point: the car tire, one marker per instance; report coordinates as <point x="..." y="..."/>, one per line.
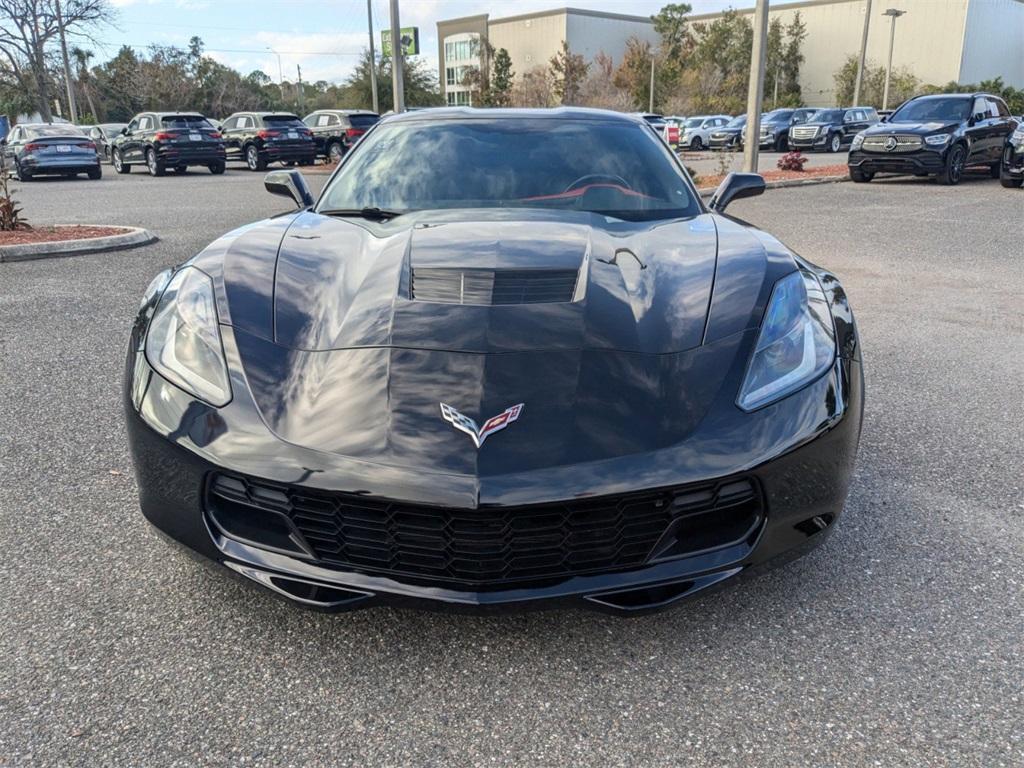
<point x="781" y="143"/>
<point x="953" y="171"/>
<point x="835" y="143"/>
<point x="335" y="151"/>
<point x="995" y="170"/>
<point x="119" y="164"/>
<point x="861" y="177"/>
<point x="153" y="164"/>
<point x="179" y="169"/>
<point x="254" y="160"/>
<point x="96" y="173"/>
<point x="21" y="174"/>
<point x="216" y="168"/>
<point x="696" y="144"/>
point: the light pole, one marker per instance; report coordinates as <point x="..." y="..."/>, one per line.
<point x="373" y="60"/>
<point x="863" y="54"/>
<point x="650" y="106"/>
<point x="894" y="13"/>
<point x="397" y="72"/>
<point x="280" y="72"/>
<point x="758" y="55"/>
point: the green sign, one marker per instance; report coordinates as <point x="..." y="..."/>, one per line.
<point x="410" y="41"/>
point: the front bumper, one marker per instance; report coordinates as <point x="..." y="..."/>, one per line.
<point x="817" y="142"/>
<point x="178" y="443"/>
<point x="717" y="142"/>
<point x="920" y="161"/>
<point x="1013" y="160"/>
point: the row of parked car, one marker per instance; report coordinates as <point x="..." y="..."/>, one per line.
<point x="174" y="141"/>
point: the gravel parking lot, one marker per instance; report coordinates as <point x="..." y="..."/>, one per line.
<point x="898" y="643"/>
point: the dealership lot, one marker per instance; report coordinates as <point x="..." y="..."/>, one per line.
<point x="896" y="643"/>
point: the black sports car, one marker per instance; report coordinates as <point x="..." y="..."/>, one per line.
<point x="508" y="357"/>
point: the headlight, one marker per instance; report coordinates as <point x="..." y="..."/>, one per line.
<point x="938" y="140"/>
<point x="184" y="344"/>
<point x="858" y="142"/>
<point x="156" y="287"/>
<point x="797" y="342"/>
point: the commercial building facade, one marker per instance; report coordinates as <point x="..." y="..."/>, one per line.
<point x="937" y="40"/>
<point x="531" y="40"/>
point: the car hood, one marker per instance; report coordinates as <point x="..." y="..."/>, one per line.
<point x="342" y="354"/>
<point x="904" y="128"/>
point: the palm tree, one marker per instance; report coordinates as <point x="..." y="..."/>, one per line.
<point x="82" y="72"/>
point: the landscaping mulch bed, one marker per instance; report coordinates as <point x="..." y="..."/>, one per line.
<point x="773" y="174"/>
<point x="57" y="234"/>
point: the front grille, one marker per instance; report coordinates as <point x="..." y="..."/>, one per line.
<point x="489" y="287"/>
<point x="803" y="131"/>
<point x="494" y="546"/>
<point x="903" y="144"/>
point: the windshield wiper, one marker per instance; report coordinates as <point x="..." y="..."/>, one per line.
<point x="374" y="214"/>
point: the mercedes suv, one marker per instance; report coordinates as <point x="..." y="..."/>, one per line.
<point x="1012" y="171"/>
<point x="939" y="135"/>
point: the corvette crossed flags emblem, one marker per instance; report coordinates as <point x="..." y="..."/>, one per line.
<point x="479" y="434"/>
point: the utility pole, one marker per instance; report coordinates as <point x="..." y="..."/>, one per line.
<point x="373" y="59"/>
<point x="302" y="91"/>
<point x="863" y="55"/>
<point x="894" y="14"/>
<point x="650" y="107"/>
<point x="397" y="84"/>
<point x="758" y="54"/>
<point x="280" y="72"/>
<point x="72" y="107"/>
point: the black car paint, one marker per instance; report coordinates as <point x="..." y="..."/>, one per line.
<point x="336" y="386"/>
<point x="776" y="124"/>
<point x="26" y="155"/>
<point x="979" y="138"/>
<point x="729" y="136"/>
<point x="248" y="132"/>
<point x="171" y="148"/>
<point x="335" y="131"/>
<point x="851" y="122"/>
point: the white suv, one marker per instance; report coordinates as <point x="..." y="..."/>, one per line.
<point x="697" y="130"/>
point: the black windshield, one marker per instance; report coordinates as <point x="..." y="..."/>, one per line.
<point x="827" y="116"/>
<point x="942" y="109"/>
<point x="363" y="121"/>
<point x="616" y="168"/>
<point x="779" y="116"/>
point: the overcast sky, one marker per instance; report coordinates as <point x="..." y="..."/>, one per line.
<point x="324" y="37"/>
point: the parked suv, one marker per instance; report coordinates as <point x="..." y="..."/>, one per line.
<point x="697" y="130"/>
<point x="775" y="127"/>
<point x="831" y="129"/>
<point x="103" y="135"/>
<point x="35" y="149"/>
<point x="937" y="135"/>
<point x="729" y="136"/>
<point x="1011" y="173"/>
<point x="163" y="140"/>
<point x="336" y="130"/>
<point x="260" y="138"/>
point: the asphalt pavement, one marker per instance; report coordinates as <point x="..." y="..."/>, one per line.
<point x="897" y="643"/>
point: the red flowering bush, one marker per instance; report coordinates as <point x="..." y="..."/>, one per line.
<point x="791" y="161"/>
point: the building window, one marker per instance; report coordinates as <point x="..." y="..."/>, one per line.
<point x="460" y="50"/>
<point x="459" y="98"/>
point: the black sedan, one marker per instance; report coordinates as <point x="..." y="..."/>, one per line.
<point x="55" y="149"/>
<point x="559" y="379"/>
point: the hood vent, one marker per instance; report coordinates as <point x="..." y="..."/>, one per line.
<point x="493" y="287"/>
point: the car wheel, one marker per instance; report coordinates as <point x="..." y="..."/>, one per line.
<point x="335" y="152"/>
<point x="216" y="168"/>
<point x="861" y="177"/>
<point x="180" y="168"/>
<point x="96" y="173"/>
<point x="156" y="168"/>
<point x="696" y="144"/>
<point x="995" y="169"/>
<point x="21" y="174"/>
<point x="835" y="143"/>
<point x="254" y="160"/>
<point x="781" y="143"/>
<point x="954" y="169"/>
<point x="106" y="154"/>
<point x="119" y="164"/>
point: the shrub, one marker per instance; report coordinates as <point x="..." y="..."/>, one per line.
<point x="694" y="176"/>
<point x="10" y="211"/>
<point x="791" y="161"/>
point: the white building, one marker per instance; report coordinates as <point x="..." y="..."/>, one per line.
<point x="531" y="40"/>
<point x="937" y="40"/>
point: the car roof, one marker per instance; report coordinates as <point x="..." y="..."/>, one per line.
<point x="182" y="113"/>
<point x="261" y="113"/>
<point x="344" y="112"/>
<point x="48" y="125"/>
<point x="556" y="113"/>
<point x="929" y="96"/>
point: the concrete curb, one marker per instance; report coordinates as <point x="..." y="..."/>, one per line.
<point x="132" y="237"/>
<point x="709" y="191"/>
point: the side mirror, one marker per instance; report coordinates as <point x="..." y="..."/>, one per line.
<point x="979" y="117"/>
<point x="736" y="186"/>
<point x="125" y="132"/>
<point x="289" y="184"/>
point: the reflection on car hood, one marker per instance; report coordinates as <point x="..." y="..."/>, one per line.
<point x="342" y="357"/>
<point x="891" y="128"/>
